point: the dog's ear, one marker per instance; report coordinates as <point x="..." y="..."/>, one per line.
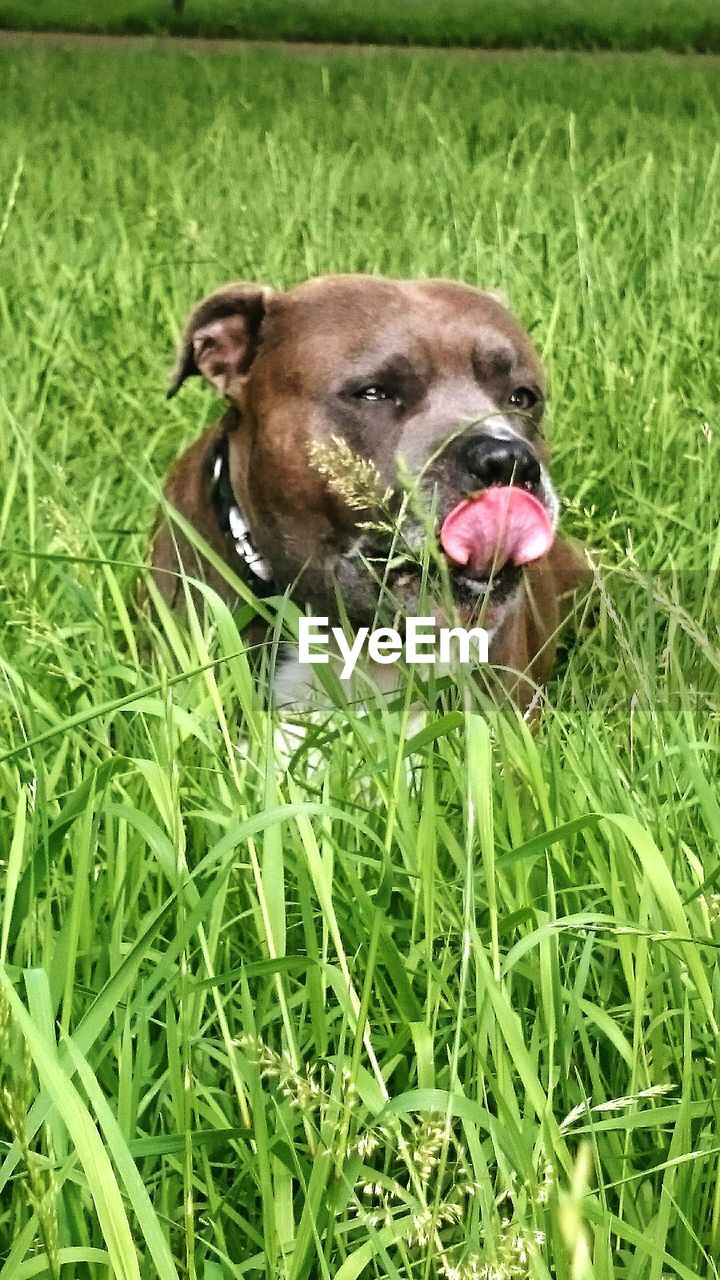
<point x="220" y="338"/>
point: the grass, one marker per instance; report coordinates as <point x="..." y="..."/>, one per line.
<point x="436" y="1003"/>
<point x="681" y="25"/>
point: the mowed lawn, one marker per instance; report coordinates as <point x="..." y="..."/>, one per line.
<point x="429" y="1003"/>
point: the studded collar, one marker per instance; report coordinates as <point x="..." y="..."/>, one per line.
<point x="233" y="522"/>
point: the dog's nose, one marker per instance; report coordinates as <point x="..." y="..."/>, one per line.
<point x="491" y="461"/>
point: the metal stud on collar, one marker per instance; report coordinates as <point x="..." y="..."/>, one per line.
<point x="231" y="518"/>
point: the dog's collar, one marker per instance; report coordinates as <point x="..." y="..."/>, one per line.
<point x="232" y="522"/>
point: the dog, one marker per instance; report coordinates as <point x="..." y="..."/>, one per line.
<point x="429" y="379"/>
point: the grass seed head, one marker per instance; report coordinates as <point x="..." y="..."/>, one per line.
<point x="354" y="479"/>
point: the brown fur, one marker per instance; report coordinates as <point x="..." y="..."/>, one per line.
<point x="282" y="360"/>
<point x="526" y="645"/>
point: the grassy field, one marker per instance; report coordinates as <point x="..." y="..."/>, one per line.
<point x="580" y="24"/>
<point x="435" y="1006"/>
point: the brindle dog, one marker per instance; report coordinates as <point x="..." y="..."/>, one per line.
<point x="431" y="379"/>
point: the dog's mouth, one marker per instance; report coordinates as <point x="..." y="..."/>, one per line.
<point x="484" y="540"/>
<point x="501" y="526"/>
<point x="475" y="596"/>
<point x="488" y="537"/>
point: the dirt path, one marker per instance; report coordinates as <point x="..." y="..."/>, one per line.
<point x="304" y="48"/>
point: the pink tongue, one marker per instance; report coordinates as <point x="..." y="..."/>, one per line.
<point x="501" y="525"/>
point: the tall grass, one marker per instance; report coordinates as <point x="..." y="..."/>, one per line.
<point x="682" y="25"/>
<point x="433" y="1001"/>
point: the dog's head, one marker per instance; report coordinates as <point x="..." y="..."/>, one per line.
<point x="435" y="383"/>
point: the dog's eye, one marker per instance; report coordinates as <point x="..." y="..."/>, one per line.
<point x="524" y="399"/>
<point x="372" y="394"/>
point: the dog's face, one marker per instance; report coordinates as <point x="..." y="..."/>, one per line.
<point x="431" y="380"/>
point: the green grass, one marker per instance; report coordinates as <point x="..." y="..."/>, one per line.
<point x="579" y="24"/>
<point x="414" y="997"/>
